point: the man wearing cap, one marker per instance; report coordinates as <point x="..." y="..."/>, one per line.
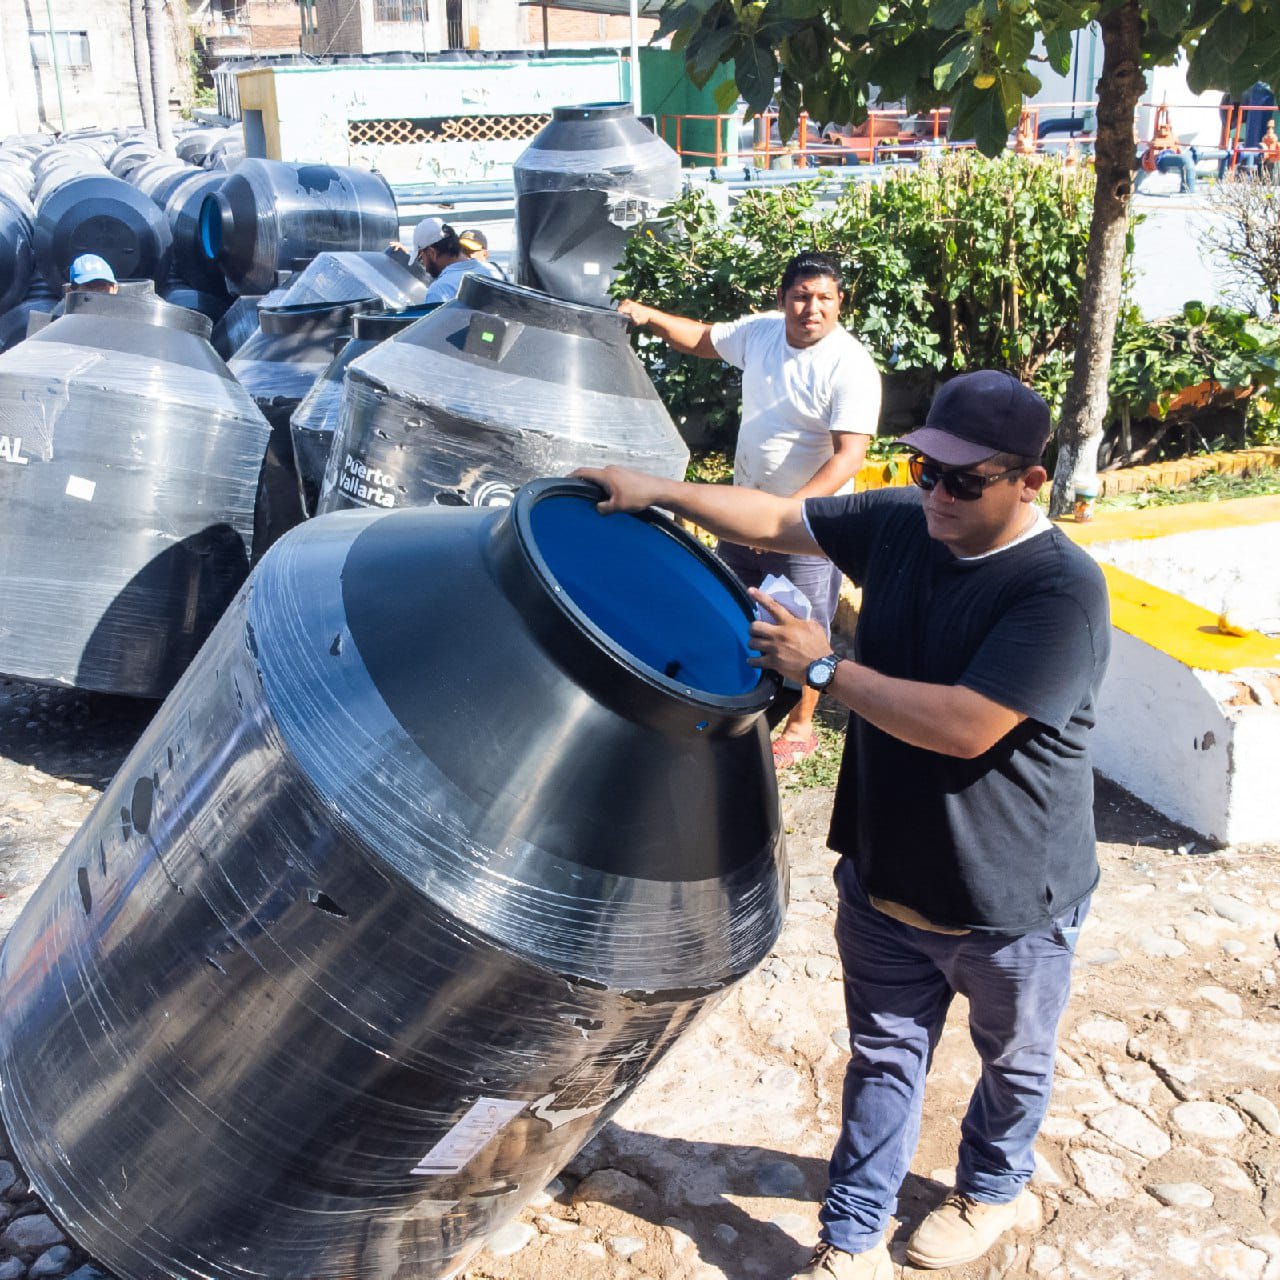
<point x="438" y="250"/>
<point x="963" y="815"/>
<point x="93" y="274"/>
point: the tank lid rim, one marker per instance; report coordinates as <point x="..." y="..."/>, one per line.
<point x="750" y="703"/>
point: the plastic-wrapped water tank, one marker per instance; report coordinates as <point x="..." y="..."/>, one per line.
<point x="269" y="215"/>
<point x="238" y="324"/>
<point x="106" y="216"/>
<point x="584" y="182"/>
<point x="313" y="423"/>
<point x="497" y="387"/>
<point x="129" y="466"/>
<point x="17" y="255"/>
<point x="454" y="825"/>
<point x="291" y="348"/>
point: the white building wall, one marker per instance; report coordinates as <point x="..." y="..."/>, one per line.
<point x="103" y="94"/>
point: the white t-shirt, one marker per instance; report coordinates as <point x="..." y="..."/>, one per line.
<point x="444" y="288"/>
<point x="793" y="398"/>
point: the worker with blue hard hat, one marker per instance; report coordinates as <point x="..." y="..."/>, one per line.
<point x="93" y="273"/>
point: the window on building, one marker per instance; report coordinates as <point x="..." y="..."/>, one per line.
<point x="71" y="48"/>
<point x="399" y="10"/>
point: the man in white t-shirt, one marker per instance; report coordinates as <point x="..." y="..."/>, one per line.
<point x="810" y="404"/>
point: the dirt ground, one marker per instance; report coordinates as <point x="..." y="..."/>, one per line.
<point x="715" y="1166"/>
<point x="1160" y="1157"/>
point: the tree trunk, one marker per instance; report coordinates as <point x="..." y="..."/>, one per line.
<point x="158" y="47"/>
<point x="142" y="64"/>
<point x="1120" y="89"/>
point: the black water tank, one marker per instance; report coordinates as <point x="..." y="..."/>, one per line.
<point x="213" y="305"/>
<point x="457" y="822"/>
<point x="269" y="215"/>
<point x="129" y="515"/>
<point x="313" y="423"/>
<point x="130" y="155"/>
<point x="499" y="386"/>
<point x="17" y="255"/>
<point x="181" y="206"/>
<point x="582" y="185"/>
<point x="291" y="348"/>
<point x="106" y="216"/>
<point x="238" y="324"/>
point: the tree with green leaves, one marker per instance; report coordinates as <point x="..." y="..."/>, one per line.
<point x="834" y="59"/>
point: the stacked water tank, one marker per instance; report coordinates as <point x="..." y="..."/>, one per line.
<point x="583" y="185"/>
<point x="129" y="471"/>
<point x="497" y="387"/>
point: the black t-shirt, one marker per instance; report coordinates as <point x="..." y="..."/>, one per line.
<point x="1004" y="842"/>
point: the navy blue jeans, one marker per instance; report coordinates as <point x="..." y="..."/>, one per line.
<point x="899" y="982"/>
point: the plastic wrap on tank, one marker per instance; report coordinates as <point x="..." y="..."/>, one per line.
<point x="106" y="216"/>
<point x="181" y="206"/>
<point x="292" y="347"/>
<point x="269" y="215"/>
<point x="17" y="254"/>
<point x="238" y="324"/>
<point x="497" y="387"/>
<point x="583" y="184"/>
<point x="14" y="323"/>
<point x="337" y="277"/>
<point x="458" y="821"/>
<point x="129" y="466"/>
<point x="313" y="422"/>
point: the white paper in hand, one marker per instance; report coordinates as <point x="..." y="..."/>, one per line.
<point x="787" y="594"/>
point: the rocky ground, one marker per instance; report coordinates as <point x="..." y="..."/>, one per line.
<point x="1160" y="1158"/>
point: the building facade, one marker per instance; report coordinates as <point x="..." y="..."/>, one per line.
<point x="78" y="70"/>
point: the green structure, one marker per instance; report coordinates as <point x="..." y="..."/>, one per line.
<point x="666" y="90"/>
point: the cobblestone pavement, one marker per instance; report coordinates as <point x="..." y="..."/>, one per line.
<point x="1160" y="1158"/>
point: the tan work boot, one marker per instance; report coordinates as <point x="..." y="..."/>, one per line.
<point x="960" y="1230"/>
<point x="830" y="1263"/>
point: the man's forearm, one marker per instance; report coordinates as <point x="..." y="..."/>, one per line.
<point x="693" y="337"/>
<point x="837" y="471"/>
<point x="948" y="719"/>
<point x="738" y="515"/>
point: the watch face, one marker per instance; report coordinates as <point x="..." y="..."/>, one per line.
<point x="820" y="673"/>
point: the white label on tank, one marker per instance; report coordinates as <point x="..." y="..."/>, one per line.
<point x="590" y="268"/>
<point x="79" y="487"/>
<point x="11" y="451"/>
<point x="486" y="1118"/>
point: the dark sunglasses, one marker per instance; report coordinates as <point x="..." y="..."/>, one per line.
<point x="964" y="486"/>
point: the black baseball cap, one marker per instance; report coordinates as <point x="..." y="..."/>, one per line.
<point x="980" y="414"/>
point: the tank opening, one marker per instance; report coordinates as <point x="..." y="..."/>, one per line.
<point x="211" y="228"/>
<point x="648" y="592"/>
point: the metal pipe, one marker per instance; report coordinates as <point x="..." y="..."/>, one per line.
<point x="635" y="56"/>
<point x="53" y="58"/>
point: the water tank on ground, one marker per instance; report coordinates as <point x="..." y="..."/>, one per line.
<point x="129" y="465"/>
<point x="583" y="184"/>
<point x="495" y="388"/>
<point x="268" y="216"/>
<point x="457" y="821"/>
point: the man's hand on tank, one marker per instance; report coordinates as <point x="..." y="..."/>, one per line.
<point x="788" y="644"/>
<point x="635" y="311"/>
<point x="627" y="490"/>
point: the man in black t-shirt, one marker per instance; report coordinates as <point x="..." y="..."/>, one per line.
<point x="963" y="812"/>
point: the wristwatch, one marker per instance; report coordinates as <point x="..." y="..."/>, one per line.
<point x="822" y="671"/>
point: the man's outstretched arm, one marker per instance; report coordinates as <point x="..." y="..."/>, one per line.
<point x="740" y="515"/>
<point x="693" y="337"/>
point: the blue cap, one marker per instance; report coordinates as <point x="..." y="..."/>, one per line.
<point x="89" y="267"/>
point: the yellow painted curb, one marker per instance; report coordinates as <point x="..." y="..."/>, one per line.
<point x="1183" y="630"/>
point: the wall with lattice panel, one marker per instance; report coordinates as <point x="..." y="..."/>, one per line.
<point x="447" y="129"/>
